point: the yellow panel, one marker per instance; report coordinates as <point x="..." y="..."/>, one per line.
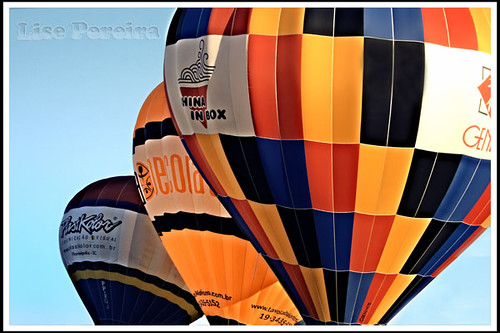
<point x="486" y="224"/>
<point x="347" y="89"/>
<point x="216" y="157"/>
<point x="482" y="22"/>
<point x="382" y="174"/>
<point x="316" y="87"/>
<point x="396" y="289"/>
<point x="316" y="285"/>
<point x="270" y="221"/>
<point x="264" y="21"/>
<point x="291" y="21"/>
<point x="404" y="235"/>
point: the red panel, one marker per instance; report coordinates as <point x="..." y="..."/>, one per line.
<point x="289" y="86"/>
<point x="253" y="224"/>
<point x="459" y="251"/>
<point x="199" y="157"/>
<point x="481" y="210"/>
<point x="300" y="285"/>
<point x="262" y="85"/>
<point x="319" y="174"/>
<point x="240" y="24"/>
<point x="345" y="175"/>
<point x="435" y="30"/>
<point x="378" y="288"/>
<point x="461" y="28"/>
<point x="220" y="20"/>
<point x="369" y="236"/>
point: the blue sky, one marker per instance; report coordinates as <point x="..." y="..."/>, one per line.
<point x="73" y="100"/>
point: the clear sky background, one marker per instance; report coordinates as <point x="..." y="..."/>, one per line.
<point x="73" y="101"/>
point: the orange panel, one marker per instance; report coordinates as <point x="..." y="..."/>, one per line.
<point x="253" y="224"/>
<point x="378" y="288"/>
<point x="199" y="157"/>
<point x="345" y="175"/>
<point x="270" y="221"/>
<point x="295" y="274"/>
<point x="219" y="20"/>
<point x="369" y="236"/>
<point x="316" y="88"/>
<point x="264" y="21"/>
<point x="288" y="85"/>
<point x="262" y="85"/>
<point x="316" y="284"/>
<point x="319" y="158"/>
<point x="214" y="153"/>
<point x="291" y="21"/>
<point x="435" y="29"/>
<point x="461" y="28"/>
<point x="382" y="174"/>
<point x="403" y="237"/>
<point x="228" y="277"/>
<point x="347" y="89"/>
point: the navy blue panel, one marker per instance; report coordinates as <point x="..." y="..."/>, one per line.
<point x="195" y="23"/>
<point x="409" y="61"/>
<point x="334" y="235"/>
<point x="377" y="91"/>
<point x="343" y="239"/>
<point x="286" y="282"/>
<point x="243" y="157"/>
<point x="174" y="29"/>
<point x="91" y="289"/>
<point x="336" y="284"/>
<point x="319" y="21"/>
<point x="434" y="236"/>
<point x="378" y="23"/>
<point x="358" y="286"/>
<point x="428" y="180"/>
<point x="456" y="239"/>
<point x="130" y="295"/>
<point x="324" y="222"/>
<point x="296" y="172"/>
<point x="471" y="179"/>
<point x="348" y="22"/>
<point x="82" y="289"/>
<point x="410" y="292"/>
<point x="273" y="165"/>
<point x="408" y="24"/>
<point x="301" y="231"/>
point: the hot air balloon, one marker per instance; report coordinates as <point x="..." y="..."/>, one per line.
<point x="116" y="261"/>
<point x="231" y="281"/>
<point x="352" y="143"/>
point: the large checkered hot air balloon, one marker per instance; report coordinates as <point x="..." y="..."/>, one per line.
<point x="352" y="144"/>
<point x="230" y="280"/>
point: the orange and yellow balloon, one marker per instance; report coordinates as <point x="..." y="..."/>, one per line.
<point x="352" y="145"/>
<point x="230" y="280"/>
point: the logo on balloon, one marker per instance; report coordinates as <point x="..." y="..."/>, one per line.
<point x="194" y="90"/>
<point x="479" y="137"/>
<point x="91" y="223"/>
<point x="485" y="91"/>
<point x="143" y="177"/>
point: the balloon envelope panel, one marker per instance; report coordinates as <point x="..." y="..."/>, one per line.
<point x="116" y="261"/>
<point x="351" y="144"/>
